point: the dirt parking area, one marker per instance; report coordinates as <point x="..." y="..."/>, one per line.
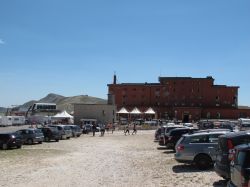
<point x="112" y="160"/>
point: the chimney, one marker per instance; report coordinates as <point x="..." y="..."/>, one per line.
<point x="114" y="79"/>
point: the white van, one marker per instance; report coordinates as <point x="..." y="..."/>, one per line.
<point x="6" y="121"/>
<point x="244" y="124"/>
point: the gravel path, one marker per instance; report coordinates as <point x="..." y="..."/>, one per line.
<point x="112" y="160"/>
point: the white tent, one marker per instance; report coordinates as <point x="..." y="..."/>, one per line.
<point x="63" y="115"/>
<point x="135" y="111"/>
<point x="123" y="111"/>
<point x="149" y="111"/>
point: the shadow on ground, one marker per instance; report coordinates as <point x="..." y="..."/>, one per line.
<point x="188" y="169"/>
<point x="169" y="151"/>
<point x="161" y="148"/>
<point x="220" y="183"/>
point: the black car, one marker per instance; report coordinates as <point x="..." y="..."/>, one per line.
<point x="9" y="140"/>
<point x="175" y="134"/>
<point x="51" y="133"/>
<point x="226" y="146"/>
<point x="31" y="135"/>
<point x="240" y="167"/>
<point x="157" y="134"/>
<point x="165" y="130"/>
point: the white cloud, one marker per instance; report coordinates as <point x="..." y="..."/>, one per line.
<point x="1" y="41"/>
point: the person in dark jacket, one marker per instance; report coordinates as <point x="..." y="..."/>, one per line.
<point x="126" y="130"/>
<point x="134" y="129"/>
<point x="94" y="128"/>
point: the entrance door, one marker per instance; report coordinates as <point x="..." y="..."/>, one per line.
<point x="185" y="118"/>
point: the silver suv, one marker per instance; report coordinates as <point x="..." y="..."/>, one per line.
<point x="198" y="148"/>
<point x="65" y="131"/>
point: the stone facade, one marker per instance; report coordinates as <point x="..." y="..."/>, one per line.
<point x="101" y="112"/>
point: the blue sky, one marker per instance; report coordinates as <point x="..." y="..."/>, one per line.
<point x="73" y="47"/>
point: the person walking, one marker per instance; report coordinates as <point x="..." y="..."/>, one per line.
<point x="113" y="128"/>
<point x="134" y="129"/>
<point x="94" y="129"/>
<point x="126" y="130"/>
<point x="102" y="129"/>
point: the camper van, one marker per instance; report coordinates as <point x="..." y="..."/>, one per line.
<point x="12" y="120"/>
<point x="6" y="121"/>
<point x="18" y="120"/>
<point x="244" y="124"/>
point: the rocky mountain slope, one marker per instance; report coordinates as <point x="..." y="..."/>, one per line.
<point x="65" y="103"/>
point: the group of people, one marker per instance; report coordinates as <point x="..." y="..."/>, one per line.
<point x="103" y="128"/>
<point x="109" y="126"/>
<point x="126" y="130"/>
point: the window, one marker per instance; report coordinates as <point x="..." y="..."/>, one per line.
<point x="157" y="93"/>
<point x="213" y="138"/>
<point x="240" y="158"/>
<point x="199" y="139"/>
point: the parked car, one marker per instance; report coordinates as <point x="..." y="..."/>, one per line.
<point x="188" y="125"/>
<point x="9" y="140"/>
<point x="198" y="148"/>
<point x="205" y="125"/>
<point x="76" y="130"/>
<point x="51" y="133"/>
<point x="240" y="167"/>
<point x="226" y="125"/>
<point x="244" y="124"/>
<point x="157" y="134"/>
<point x="65" y="131"/>
<point x="226" y="146"/>
<point x="88" y="128"/>
<point x="31" y="136"/>
<point x="165" y="131"/>
<point x="173" y="136"/>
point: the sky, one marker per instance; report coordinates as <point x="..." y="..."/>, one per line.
<point x="73" y="47"/>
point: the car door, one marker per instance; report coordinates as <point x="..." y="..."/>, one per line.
<point x="213" y="145"/>
<point x="236" y="168"/>
<point x="195" y="146"/>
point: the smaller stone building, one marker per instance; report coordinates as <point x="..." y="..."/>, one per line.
<point x="103" y="113"/>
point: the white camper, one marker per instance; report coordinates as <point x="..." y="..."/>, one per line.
<point x="18" y="120"/>
<point x="6" y="121"/>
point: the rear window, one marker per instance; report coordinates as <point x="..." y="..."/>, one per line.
<point x="236" y="141"/>
<point x="169" y="129"/>
<point x="179" y="132"/>
<point x="241" y="140"/>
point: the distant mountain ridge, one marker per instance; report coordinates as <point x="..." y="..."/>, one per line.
<point x="64" y="103"/>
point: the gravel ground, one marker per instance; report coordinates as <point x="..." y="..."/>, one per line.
<point x="112" y="160"/>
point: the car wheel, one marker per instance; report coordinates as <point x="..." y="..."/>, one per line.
<point x="5" y="146"/>
<point x="47" y="139"/>
<point x="40" y="142"/>
<point x="203" y="161"/>
<point x="30" y="141"/>
<point x="19" y="146"/>
<point x="57" y="140"/>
